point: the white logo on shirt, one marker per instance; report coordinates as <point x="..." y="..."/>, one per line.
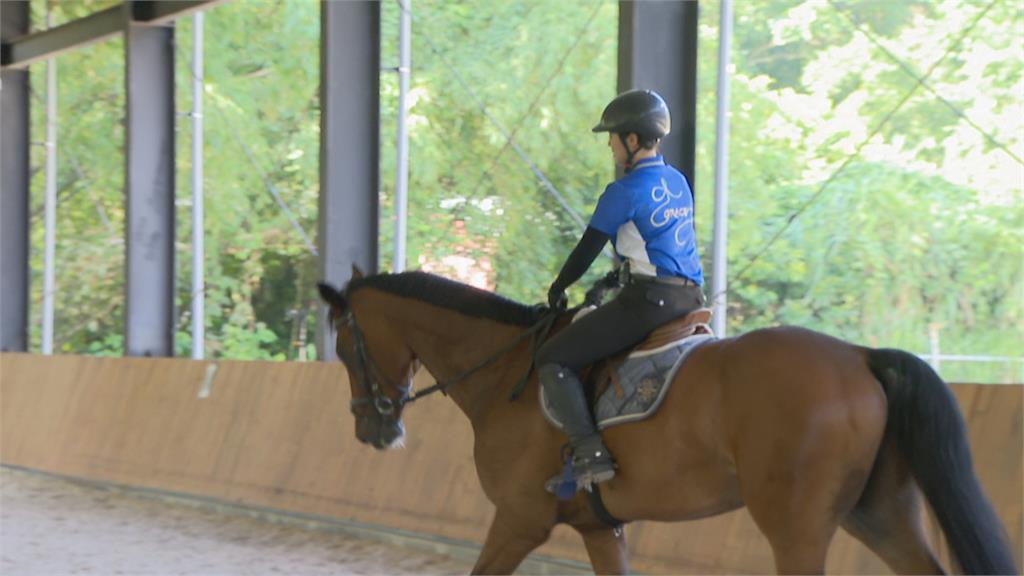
<point x="680" y="241"/>
<point x="663" y="214"/>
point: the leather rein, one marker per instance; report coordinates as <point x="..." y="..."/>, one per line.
<point x="370" y="374"/>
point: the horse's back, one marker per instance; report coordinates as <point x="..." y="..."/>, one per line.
<point x="784" y="376"/>
<point x="782" y="384"/>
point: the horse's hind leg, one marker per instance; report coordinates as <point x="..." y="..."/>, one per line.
<point x="510" y="539"/>
<point x="799" y="526"/>
<point x="799" y="486"/>
<point x="897" y="537"/>
<point x="887" y="519"/>
<point x="801" y="551"/>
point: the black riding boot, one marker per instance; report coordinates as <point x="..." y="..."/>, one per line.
<point x="591" y="461"/>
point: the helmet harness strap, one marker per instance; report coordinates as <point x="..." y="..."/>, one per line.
<point x="629" y="153"/>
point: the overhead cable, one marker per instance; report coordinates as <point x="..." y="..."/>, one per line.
<point x="268" y="184"/>
<point x="536" y="99"/>
<point x="508" y="136"/>
<point x="910" y="71"/>
<point x="856" y="153"/>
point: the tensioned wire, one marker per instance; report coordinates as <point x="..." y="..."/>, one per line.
<point x="71" y="189"/>
<point x="510" y="135"/>
<point x="511" y="142"/>
<point x="267" y="182"/>
<point x="910" y="72"/>
<point x="533" y="105"/>
<point x="856" y="153"/>
<point x="65" y="193"/>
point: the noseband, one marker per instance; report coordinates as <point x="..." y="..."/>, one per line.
<point x="368" y="375"/>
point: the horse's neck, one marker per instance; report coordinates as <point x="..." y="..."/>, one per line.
<point x="449" y="344"/>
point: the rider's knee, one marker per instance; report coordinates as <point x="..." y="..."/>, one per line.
<point x="552" y="373"/>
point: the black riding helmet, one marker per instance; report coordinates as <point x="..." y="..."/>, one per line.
<point x="642" y="112"/>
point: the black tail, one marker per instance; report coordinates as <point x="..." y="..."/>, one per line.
<point x="930" y="433"/>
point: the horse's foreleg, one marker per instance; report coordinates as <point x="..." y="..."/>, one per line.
<point x="511" y="538"/>
<point x="607" y="550"/>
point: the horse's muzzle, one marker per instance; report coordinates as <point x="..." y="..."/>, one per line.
<point x="371" y="430"/>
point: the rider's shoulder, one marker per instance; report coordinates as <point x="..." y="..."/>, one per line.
<point x="635" y="179"/>
<point x="671" y="173"/>
<point x="616" y="187"/>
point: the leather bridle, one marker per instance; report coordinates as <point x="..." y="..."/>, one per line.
<point x="369" y="373"/>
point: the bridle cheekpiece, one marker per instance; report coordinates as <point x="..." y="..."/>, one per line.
<point x="368" y="375"/>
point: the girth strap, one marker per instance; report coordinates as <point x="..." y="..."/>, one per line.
<point x="602" y="513"/>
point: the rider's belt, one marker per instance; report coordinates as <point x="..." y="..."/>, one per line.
<point x="670" y="280"/>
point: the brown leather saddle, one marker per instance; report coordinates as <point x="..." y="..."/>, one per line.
<point x="605" y="373"/>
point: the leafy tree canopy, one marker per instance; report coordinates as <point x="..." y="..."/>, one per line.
<point x="891" y="129"/>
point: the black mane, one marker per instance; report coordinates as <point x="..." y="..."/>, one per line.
<point x="450" y="294"/>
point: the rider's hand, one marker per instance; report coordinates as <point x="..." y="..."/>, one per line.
<point x="557" y="298"/>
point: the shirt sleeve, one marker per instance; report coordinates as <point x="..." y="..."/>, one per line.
<point x="614" y="208"/>
<point x="583" y="255"/>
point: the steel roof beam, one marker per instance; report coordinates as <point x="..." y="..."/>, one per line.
<point x="163" y="11"/>
<point x="25" y="50"/>
<point x="21" y="51"/>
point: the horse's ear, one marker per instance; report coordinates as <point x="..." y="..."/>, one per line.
<point x="356" y="272"/>
<point x="331" y="295"/>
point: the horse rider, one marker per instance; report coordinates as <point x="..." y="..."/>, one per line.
<point x="648" y="216"/>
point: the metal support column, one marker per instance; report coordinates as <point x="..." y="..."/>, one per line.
<point x="14" y="188"/>
<point x="349" y="145"/>
<point x="198" y="214"/>
<point x="50" y="206"/>
<point x="149" y="156"/>
<point x="402" y="140"/>
<point x="658" y="51"/>
<point x="719" y="281"/>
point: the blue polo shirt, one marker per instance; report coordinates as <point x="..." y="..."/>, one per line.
<point x="649" y="215"/>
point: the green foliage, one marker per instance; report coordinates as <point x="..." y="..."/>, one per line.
<point x="90" y="188"/>
<point x="922" y="232"/>
<point x="919" y="234"/>
<point x="462" y="169"/>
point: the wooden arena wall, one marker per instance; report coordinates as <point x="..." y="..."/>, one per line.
<point x="279" y="435"/>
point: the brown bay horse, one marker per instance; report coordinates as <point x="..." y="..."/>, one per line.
<point x="810" y="433"/>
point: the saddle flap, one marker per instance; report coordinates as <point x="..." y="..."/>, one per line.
<point x="605" y="372"/>
<point x="631" y="386"/>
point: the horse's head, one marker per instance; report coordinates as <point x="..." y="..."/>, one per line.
<point x="379" y="363"/>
